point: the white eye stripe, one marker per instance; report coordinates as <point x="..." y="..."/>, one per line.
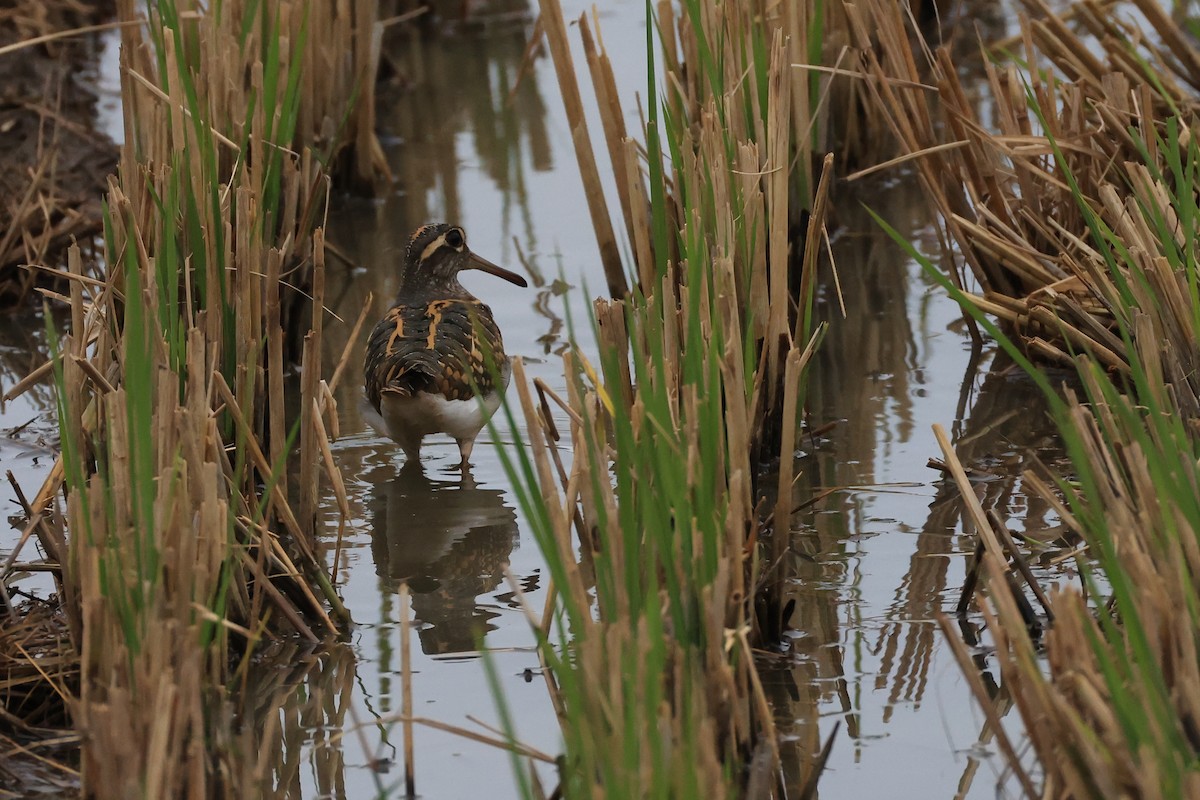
<point x="440" y="241"/>
<point x="432" y="247"/>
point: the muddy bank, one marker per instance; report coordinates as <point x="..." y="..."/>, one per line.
<point x="53" y="163"/>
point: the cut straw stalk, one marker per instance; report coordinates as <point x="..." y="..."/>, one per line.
<point x="556" y="34"/>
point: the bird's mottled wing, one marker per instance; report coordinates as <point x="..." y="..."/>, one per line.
<point x="438" y="348"/>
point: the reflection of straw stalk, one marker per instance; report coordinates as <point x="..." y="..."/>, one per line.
<point x="186" y="545"/>
<point x="1078" y="220"/>
<point x="651" y="667"/>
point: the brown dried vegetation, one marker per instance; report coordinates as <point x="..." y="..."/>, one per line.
<point x="1008" y="203"/>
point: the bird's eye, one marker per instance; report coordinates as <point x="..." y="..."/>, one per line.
<point x="454" y="238"/>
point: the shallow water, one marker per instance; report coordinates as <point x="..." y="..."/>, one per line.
<point x="873" y="562"/>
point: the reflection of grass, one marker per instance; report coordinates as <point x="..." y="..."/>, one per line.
<point x="471" y="97"/>
<point x="1086" y="252"/>
<point x="186" y="547"/>
<point x="649" y="633"/>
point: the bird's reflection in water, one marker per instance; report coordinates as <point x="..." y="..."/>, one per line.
<point x="450" y="540"/>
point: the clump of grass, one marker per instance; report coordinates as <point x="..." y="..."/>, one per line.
<point x="665" y="575"/>
<point x="183" y="544"/>
<point x="1084" y="245"/>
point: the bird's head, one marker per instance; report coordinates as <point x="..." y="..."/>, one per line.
<point x="435" y="255"/>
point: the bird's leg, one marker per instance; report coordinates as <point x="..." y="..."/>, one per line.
<point x="465" y="446"/>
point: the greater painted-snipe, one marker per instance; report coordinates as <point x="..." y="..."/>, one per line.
<point x="435" y="362"/>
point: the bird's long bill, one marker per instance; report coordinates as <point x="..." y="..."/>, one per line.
<point x="475" y="262"/>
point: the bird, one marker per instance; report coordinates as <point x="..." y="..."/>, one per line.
<point x="435" y="362"/>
